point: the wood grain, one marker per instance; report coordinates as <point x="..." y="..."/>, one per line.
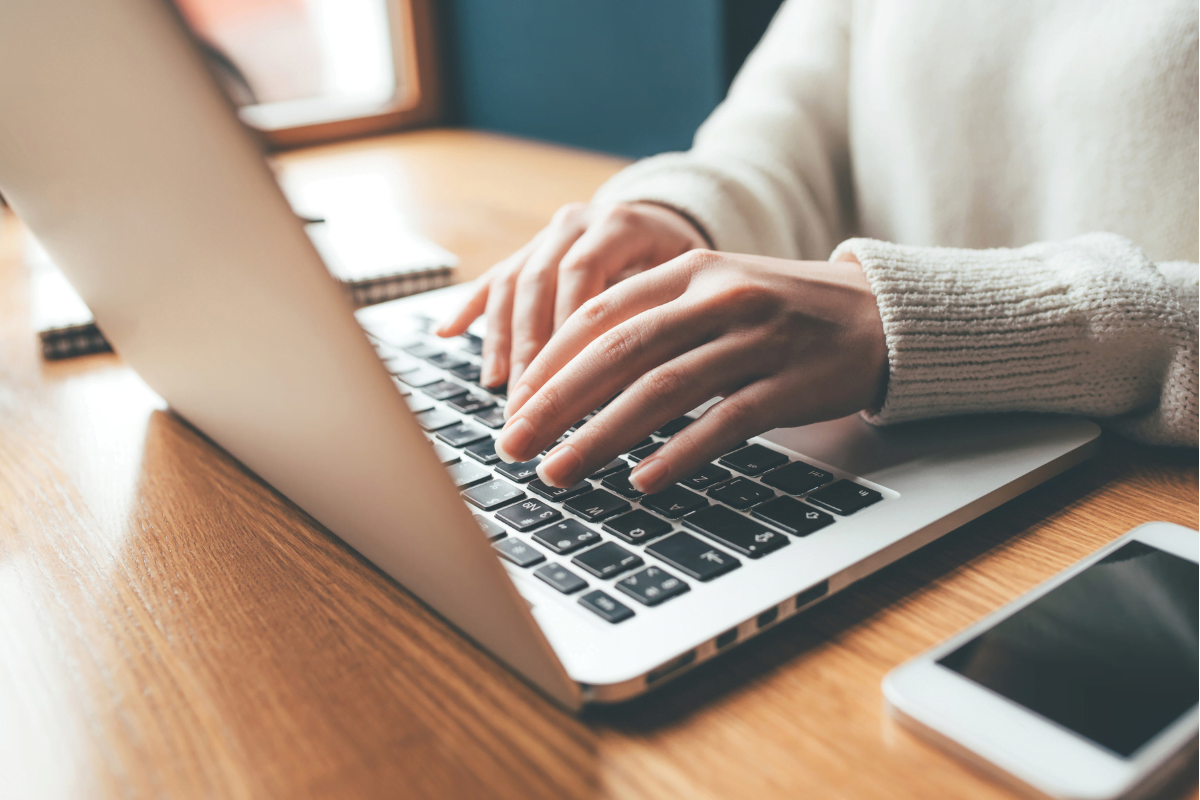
<point x="170" y="627"/>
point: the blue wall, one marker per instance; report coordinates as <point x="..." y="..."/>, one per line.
<point x="632" y="77"/>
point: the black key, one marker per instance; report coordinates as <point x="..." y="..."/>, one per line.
<point x="483" y="452"/>
<point x="612" y="466"/>
<point x="754" y="459"/>
<point x="490" y="529"/>
<point x="608" y="560"/>
<point x="793" y="516"/>
<point x="462" y="434"/>
<point x="436" y="418"/>
<point x="466" y="473"/>
<point x="637" y="526"/>
<point x="492" y="417"/>
<point x="566" y="537"/>
<point x="528" y="514"/>
<point x="538" y="486"/>
<point x="520" y="471"/>
<point x="709" y="475"/>
<point x="741" y="493"/>
<point x="674" y="426"/>
<point x="619" y="483"/>
<point x="471" y="343"/>
<point x="418" y="378"/>
<point x="518" y="552"/>
<point x="596" y="505"/>
<point x="608" y="609"/>
<point x="421" y="350"/>
<point x="796" y="478"/>
<point x="844" y="497"/>
<point x="446" y="455"/>
<point x="641" y="444"/>
<point x="737" y="446"/>
<point x="652" y="586"/>
<point x="499" y="391"/>
<point x="492" y="494"/>
<point x="645" y="452"/>
<point x="467" y="372"/>
<point x="470" y="403"/>
<point x="560" y="578"/>
<point x="443" y="390"/>
<point x="417" y="405"/>
<point x="674" y="501"/>
<point x="731" y="529"/>
<point x="446" y="361"/>
<point x="693" y="557"/>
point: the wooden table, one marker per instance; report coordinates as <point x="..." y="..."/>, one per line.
<point x="170" y="627"/>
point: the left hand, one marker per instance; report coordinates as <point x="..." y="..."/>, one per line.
<point x="783" y="343"/>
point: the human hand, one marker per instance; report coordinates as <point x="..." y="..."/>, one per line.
<point x="585" y="249"/>
<point x="783" y="342"/>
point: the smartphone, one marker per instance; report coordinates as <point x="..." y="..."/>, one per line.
<point x="1084" y="687"/>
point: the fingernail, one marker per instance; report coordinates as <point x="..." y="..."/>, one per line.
<point x="516" y="400"/>
<point x="559" y="468"/>
<point x="648" y="475"/>
<point x="513" y="441"/>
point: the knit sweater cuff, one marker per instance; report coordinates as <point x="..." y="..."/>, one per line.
<point x="679" y="182"/>
<point x="972" y="331"/>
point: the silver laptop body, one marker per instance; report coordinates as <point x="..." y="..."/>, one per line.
<point x="120" y="153"/>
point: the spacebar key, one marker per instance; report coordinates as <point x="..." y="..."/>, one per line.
<point x="731" y="529"/>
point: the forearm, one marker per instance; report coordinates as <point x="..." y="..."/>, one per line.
<point x="1088" y="326"/>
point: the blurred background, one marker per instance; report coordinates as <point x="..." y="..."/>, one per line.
<point x="629" y="77"/>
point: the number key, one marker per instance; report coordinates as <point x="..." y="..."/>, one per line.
<point x="528" y="514"/>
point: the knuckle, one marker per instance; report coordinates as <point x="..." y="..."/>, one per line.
<point x="620" y="344"/>
<point x="577" y="264"/>
<point x="595" y="311"/>
<point x="662" y="384"/>
<point x="569" y="214"/>
<point x="550" y="401"/>
<point x="729" y="415"/>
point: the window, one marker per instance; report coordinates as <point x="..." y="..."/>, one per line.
<point x="305" y="71"/>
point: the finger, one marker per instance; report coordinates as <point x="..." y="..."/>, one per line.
<point x="468" y="312"/>
<point x="597" y="316"/>
<point x="602" y="251"/>
<point x="533" y="303"/>
<point x="664" y="393"/>
<point x="497" y="340"/>
<point x="733" y="419"/>
<point x="477" y="303"/>
<point x="612" y="361"/>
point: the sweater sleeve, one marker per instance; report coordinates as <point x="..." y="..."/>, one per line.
<point x="1087" y="326"/>
<point x="768" y="172"/>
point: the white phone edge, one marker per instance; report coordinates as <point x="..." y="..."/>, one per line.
<point x="1020" y="747"/>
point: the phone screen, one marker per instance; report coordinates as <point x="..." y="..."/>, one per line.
<point x="1111" y="654"/>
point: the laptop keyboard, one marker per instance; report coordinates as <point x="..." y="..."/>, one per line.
<point x="601" y="543"/>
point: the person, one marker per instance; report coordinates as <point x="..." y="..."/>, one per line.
<point x="910" y="209"/>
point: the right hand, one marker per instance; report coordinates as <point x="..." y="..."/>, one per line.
<point x="584" y="250"/>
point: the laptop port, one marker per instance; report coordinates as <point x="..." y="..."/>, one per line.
<point x="812" y="593"/>
<point x="767" y="617"/>
<point x="669" y="667"/>
<point x="727" y="638"/>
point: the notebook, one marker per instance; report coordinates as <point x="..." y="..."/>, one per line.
<point x="375" y="262"/>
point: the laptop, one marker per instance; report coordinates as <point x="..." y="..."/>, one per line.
<point x="120" y="153"/>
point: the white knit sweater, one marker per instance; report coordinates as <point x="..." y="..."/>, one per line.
<point x="1024" y="174"/>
